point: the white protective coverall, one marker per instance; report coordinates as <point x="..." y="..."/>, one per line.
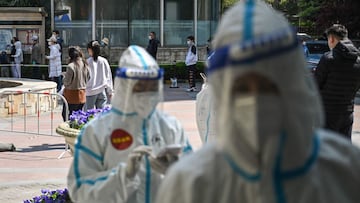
<point x="205" y="114"/>
<point x="98" y="172"/>
<point x="286" y="157"/>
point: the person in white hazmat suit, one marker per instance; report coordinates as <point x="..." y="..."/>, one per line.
<point x="205" y="115"/>
<point x="116" y="155"/>
<point x="270" y="143"/>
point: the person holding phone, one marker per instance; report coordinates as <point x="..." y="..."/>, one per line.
<point x="117" y="156"/>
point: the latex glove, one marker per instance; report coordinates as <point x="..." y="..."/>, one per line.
<point x="161" y="164"/>
<point x="134" y="159"/>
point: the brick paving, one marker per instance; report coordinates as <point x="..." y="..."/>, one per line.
<point x="35" y="164"/>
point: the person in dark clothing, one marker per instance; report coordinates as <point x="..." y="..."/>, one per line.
<point x="4" y="68"/>
<point x="338" y="78"/>
<point x="190" y="62"/>
<point x="153" y="45"/>
<point x="12" y="52"/>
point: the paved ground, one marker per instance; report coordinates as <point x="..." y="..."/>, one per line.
<point x="35" y="164"/>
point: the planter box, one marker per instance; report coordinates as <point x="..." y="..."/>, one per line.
<point x="70" y="134"/>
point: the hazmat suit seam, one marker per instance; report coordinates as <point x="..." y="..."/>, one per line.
<point x="241" y="172"/>
<point x="147" y="164"/>
<point x="249" y="14"/>
<point x="308" y="164"/>
<point x="93" y="181"/>
<point x="187" y="148"/>
<point x="118" y="112"/>
<point x="89" y="152"/>
<point x="140" y="57"/>
<point x="76" y="159"/>
<point x="280" y="177"/>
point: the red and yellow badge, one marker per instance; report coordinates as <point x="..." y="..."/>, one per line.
<point x="120" y="139"/>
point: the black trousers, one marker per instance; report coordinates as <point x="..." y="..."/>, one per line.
<point x="192" y="73"/>
<point x="72" y="107"/>
<point x="341" y="123"/>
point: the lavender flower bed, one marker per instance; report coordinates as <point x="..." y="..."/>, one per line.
<point x="79" y="118"/>
<point x="51" y="196"/>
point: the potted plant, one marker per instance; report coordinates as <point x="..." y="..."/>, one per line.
<point x="78" y="119"/>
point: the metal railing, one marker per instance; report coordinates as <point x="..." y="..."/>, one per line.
<point x="42" y="121"/>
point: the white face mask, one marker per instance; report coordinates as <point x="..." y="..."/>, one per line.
<point x="189" y="42"/>
<point x="150" y="37"/>
<point x="257" y="119"/>
<point x="145" y="103"/>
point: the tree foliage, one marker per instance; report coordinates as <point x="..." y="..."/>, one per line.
<point x="225" y="4"/>
<point x="21" y="3"/>
<point x="316" y="15"/>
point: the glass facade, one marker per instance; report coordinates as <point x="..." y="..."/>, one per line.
<point x="207" y="17"/>
<point x="144" y="17"/>
<point x="73" y="20"/>
<point x="178" y="21"/>
<point x="112" y="21"/>
<point x="127" y="22"/>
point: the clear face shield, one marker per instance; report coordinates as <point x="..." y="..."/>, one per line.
<point x="138" y="91"/>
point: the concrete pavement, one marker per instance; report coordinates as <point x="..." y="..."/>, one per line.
<point x="35" y="164"/>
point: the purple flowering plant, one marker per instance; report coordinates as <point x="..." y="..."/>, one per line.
<point x="79" y="118"/>
<point x="51" y="196"/>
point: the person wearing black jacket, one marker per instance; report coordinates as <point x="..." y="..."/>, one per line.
<point x="153" y="45"/>
<point x="338" y="78"/>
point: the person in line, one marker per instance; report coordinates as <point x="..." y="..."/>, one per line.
<point x="55" y="66"/>
<point x="153" y="44"/>
<point x="305" y="48"/>
<point x="36" y="57"/>
<point x="270" y="143"/>
<point x="12" y="52"/>
<point x="105" y="49"/>
<point x="18" y="58"/>
<point x="4" y="61"/>
<point x="338" y="77"/>
<point x="100" y="86"/>
<point x="190" y="62"/>
<point x="59" y="40"/>
<point x="117" y="157"/>
<point x="76" y="76"/>
<point x="209" y="49"/>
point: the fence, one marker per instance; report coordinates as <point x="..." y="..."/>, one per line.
<point x="39" y="115"/>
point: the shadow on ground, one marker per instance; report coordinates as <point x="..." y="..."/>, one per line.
<point x="43" y="147"/>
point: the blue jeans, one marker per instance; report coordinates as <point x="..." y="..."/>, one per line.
<point x="98" y="101"/>
<point x="58" y="81"/>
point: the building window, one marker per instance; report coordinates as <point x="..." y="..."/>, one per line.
<point x="208" y="12"/>
<point x="144" y="17"/>
<point x="112" y="21"/>
<point x="127" y="22"/>
<point x="73" y="19"/>
<point x="178" y="21"/>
